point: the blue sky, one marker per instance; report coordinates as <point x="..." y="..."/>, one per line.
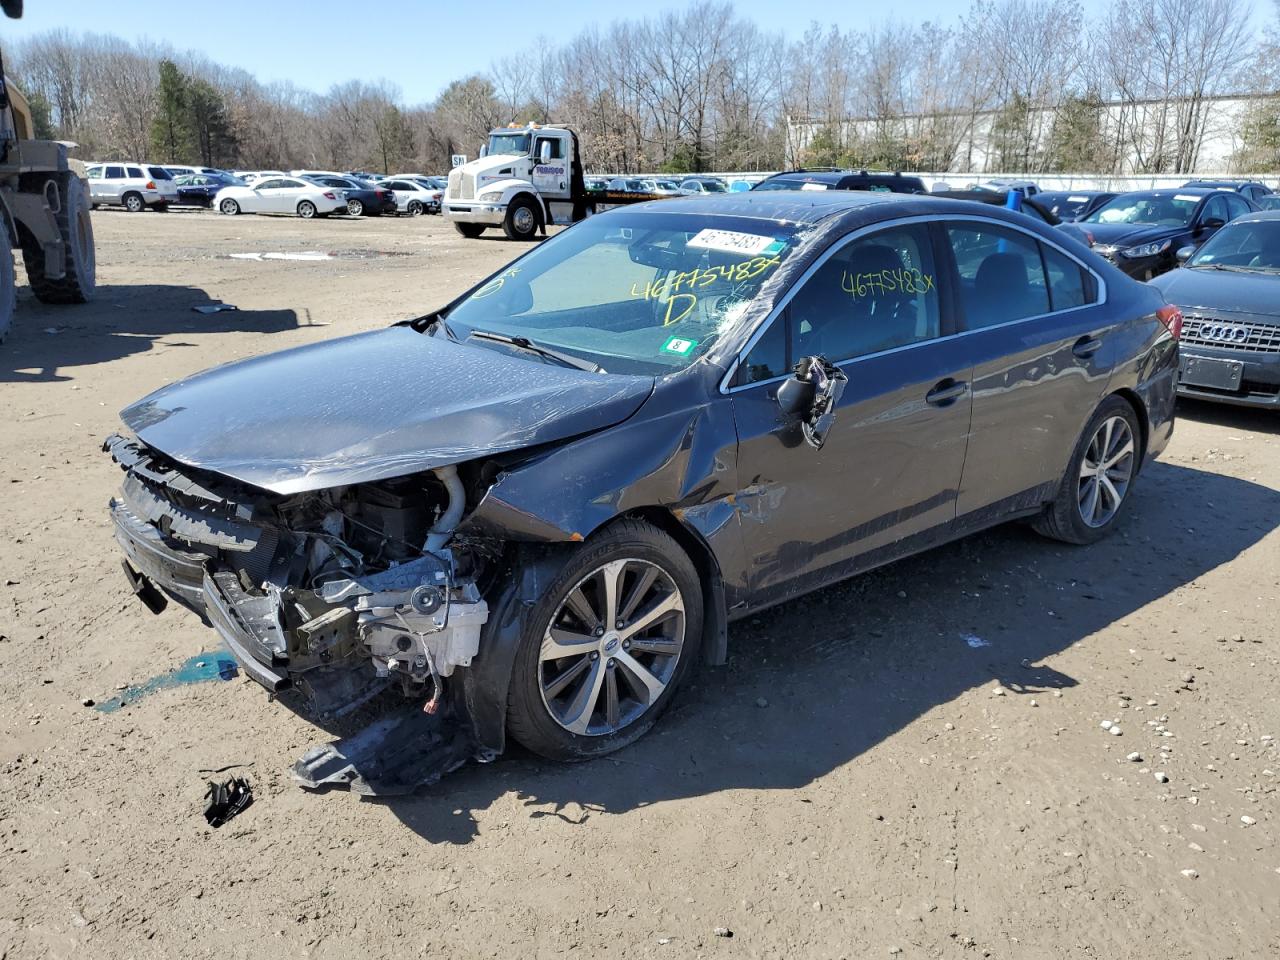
<point x="420" y="46"/>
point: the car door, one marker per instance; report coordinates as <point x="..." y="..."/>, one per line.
<point x="885" y="481"/>
<point x="290" y="193"/>
<point x="113" y="184"/>
<point x="265" y="195"/>
<point x="1034" y="327"/>
<point x="550" y="174"/>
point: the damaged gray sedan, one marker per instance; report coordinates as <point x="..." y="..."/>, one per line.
<point x="534" y="511"/>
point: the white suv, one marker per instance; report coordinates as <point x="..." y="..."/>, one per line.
<point x="134" y="186"/>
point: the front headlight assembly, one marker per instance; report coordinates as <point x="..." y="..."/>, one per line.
<point x="493" y="196"/>
<point x="1147" y="249"/>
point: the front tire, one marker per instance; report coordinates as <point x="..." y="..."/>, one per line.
<point x="79" y="278"/>
<point x="607" y="646"/>
<point x="469" y="230"/>
<point x="1099" y="477"/>
<point x="522" y="220"/>
<point x="229" y="207"/>
<point x="306" y="209"/>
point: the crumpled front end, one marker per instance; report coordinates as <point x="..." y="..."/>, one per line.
<point x="338" y="593"/>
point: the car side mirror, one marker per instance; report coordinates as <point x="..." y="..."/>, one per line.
<point x="813" y="394"/>
<point x="1184" y="253"/>
<point x="1213" y="223"/>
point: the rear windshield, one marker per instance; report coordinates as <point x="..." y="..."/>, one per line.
<point x="159" y="173"/>
<point x="641" y="293"/>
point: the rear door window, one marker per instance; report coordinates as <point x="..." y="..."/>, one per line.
<point x="135" y="172"/>
<point x="1236" y="206"/>
<point x="1002" y="277"/>
<point x="115" y="173"/>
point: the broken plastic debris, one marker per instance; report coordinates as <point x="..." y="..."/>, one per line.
<point x="225" y="800"/>
<point x="214" y="307"/>
<point x="975" y="641"/>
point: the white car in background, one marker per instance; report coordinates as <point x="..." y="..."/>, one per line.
<point x="248" y="176"/>
<point x="134" y="186"/>
<point x="280" y="195"/>
<point x="413" y="196"/>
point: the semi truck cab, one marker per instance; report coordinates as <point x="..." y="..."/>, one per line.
<point x="524" y="179"/>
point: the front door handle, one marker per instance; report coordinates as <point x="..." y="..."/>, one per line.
<point x="946" y="393"/>
<point x="1086" y="347"/>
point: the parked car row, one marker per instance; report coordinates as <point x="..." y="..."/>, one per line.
<point x="305" y="193"/>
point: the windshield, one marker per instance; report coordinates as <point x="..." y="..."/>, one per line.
<point x="509" y="143"/>
<point x="1243" y="245"/>
<point x="775" y="183"/>
<point x="1162" y="209"/>
<point x="1065" y="206"/>
<point x="632" y="292"/>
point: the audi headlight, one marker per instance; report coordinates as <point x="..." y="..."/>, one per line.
<point x="493" y="196"/>
<point x="1147" y="249"/>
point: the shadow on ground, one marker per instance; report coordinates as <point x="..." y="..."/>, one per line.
<point x="47" y="342"/>
<point x="1229" y="415"/>
<point x="849" y="666"/>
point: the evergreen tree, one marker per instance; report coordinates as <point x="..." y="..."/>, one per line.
<point x="214" y="139"/>
<point x="172" y="139"/>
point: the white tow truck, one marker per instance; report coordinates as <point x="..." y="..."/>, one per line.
<point x="524" y="179"/>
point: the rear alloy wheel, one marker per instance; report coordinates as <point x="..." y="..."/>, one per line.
<point x="133" y="202"/>
<point x="606" y="648"/>
<point x="1099" y="476"/>
<point x="415" y="208"/>
<point x="521" y="222"/>
<point x="306" y="209"/>
<point x="355" y="208"/>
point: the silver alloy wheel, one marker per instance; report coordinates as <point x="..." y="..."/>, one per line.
<point x="523" y="220"/>
<point x="612" y="647"/>
<point x="229" y="207"/>
<point x="133" y="203"/>
<point x="306" y="209"/>
<point x="415" y="208"/>
<point x="355" y="208"/>
<point x="1105" y="471"/>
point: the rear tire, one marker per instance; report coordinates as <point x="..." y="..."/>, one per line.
<point x="133" y="202"/>
<point x="8" y="284"/>
<point x="415" y="208"/>
<point x="355" y="208"/>
<point x="78" y="282"/>
<point x="469" y="230"/>
<point x="1099" y="477"/>
<point x="306" y="209"/>
<point x="611" y="695"/>
<point x="522" y="220"/>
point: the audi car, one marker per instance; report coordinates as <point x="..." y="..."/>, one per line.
<point x="1141" y="232"/>
<point x="1228" y="290"/>
<point x="533" y="511"/>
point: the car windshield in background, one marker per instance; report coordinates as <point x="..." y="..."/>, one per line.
<point x="775" y="183"/>
<point x="509" y="143"/>
<point x="1157" y="208"/>
<point x="1247" y="245"/>
<point x="632" y="293"/>
<point x="1065" y="206"/>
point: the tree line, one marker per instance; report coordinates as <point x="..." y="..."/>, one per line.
<point x="704" y="88"/>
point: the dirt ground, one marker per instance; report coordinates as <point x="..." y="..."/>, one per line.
<point x="911" y="764"/>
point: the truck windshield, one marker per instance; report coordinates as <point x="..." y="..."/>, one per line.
<point x="509" y="143"/>
<point x="639" y="293"/>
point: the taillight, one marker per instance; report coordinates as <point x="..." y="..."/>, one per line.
<point x="1089" y="238"/>
<point x="1171" y="317"/>
<point x="328" y="195"/>
<point x="151" y="184"/>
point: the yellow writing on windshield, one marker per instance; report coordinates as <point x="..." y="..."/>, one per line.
<point x="494" y="285"/>
<point x="701" y="277"/>
<point x="877" y="282"/>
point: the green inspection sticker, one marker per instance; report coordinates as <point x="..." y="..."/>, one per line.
<point x="680" y="346"/>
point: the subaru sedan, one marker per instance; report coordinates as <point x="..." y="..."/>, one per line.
<point x="534" y="511"/>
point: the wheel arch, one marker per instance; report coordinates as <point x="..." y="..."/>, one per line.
<point x="1144" y="421"/>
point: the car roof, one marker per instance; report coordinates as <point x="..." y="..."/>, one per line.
<point x="1221" y="183"/>
<point x="1252" y="215"/>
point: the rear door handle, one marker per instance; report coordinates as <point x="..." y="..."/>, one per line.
<point x="1086" y="347"/>
<point x="946" y="392"/>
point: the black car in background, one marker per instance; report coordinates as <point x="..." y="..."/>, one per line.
<point x="1141" y="232"/>
<point x="1072" y="205"/>
<point x="535" y="513"/>
<point x="199" y="189"/>
<point x="1011" y="200"/>
<point x="842" y="180"/>
<point x="364" y="199"/>
<point x="1249" y="189"/>
<point x="1229" y="292"/>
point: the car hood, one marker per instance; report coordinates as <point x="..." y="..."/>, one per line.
<point x="1221" y="291"/>
<point x="373" y="406"/>
<point x="1127" y="234"/>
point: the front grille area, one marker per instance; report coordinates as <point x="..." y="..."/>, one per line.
<point x="462" y="186"/>
<point x="1231" y="334"/>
